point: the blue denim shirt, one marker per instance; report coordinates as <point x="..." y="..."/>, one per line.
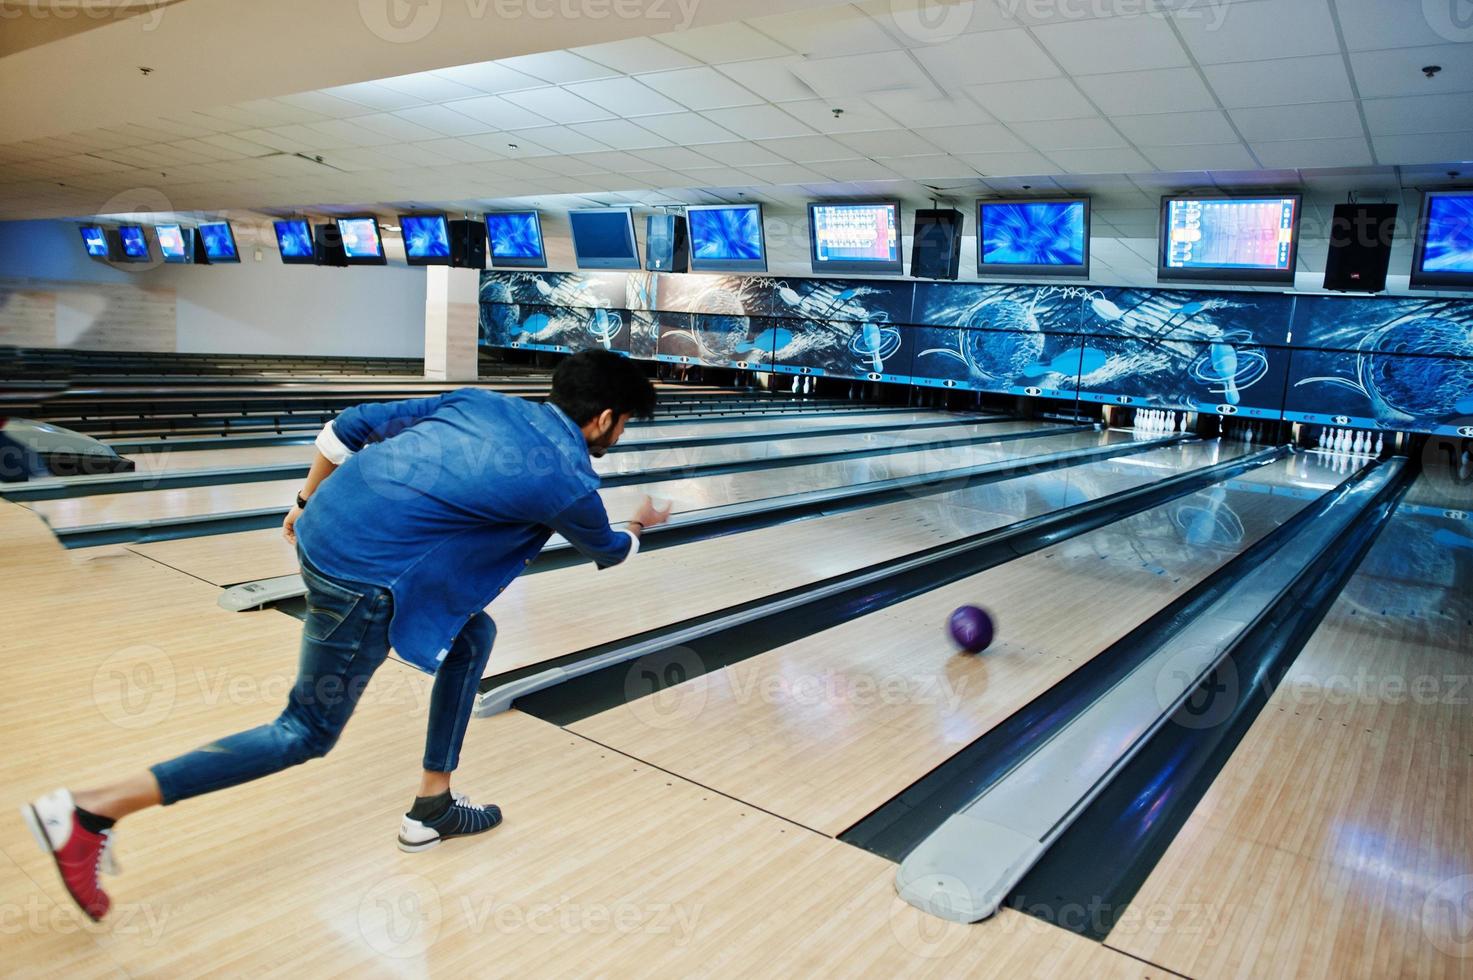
<point x="445" y="500"/>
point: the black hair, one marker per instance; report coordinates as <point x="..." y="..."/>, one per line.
<point x="593" y="380"/>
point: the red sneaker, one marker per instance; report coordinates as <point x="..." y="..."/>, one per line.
<point x="80" y="854"/>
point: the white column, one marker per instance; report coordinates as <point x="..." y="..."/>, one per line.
<point x="452" y="323"/>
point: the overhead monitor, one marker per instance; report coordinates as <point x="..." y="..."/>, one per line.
<point x="1251" y="239"/>
<point x="726" y="238"/>
<point x="1443" y="257"/>
<point x="514" y="239"/>
<point x="1045" y="237"/>
<point x="176" y="243"/>
<point x="603" y="238"/>
<point x="363" y="243"/>
<point x="862" y="238"/>
<point x="134" y="243"/>
<point x="426" y="239"/>
<point x="294" y="241"/>
<point x="94" y="240"/>
<point x="219" y="241"/>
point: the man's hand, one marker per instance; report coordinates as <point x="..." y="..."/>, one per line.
<point x="289" y="526"/>
<point x="649" y="516"/>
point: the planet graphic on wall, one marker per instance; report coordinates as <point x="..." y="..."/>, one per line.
<point x="1003" y="341"/>
<point x="1414" y="385"/>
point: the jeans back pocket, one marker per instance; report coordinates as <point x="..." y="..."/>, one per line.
<point x="329" y="605"/>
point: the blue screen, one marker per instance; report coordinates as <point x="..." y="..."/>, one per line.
<point x="360" y="238"/>
<point x="294" y="238"/>
<point x="856" y="234"/>
<point x="219" y="241"/>
<point x="1046" y="233"/>
<point x="95" y="241"/>
<point x="726" y="234"/>
<point x="514" y="235"/>
<point x="135" y="246"/>
<point x="604" y="239"/>
<point x="1233" y="233"/>
<point x="425" y="236"/>
<point x="171" y="243"/>
<point x="1449" y="241"/>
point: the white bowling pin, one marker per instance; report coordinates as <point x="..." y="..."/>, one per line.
<point x="1323" y="430"/>
<point x="1360" y="441"/>
<point x="796" y="379"/>
<point x="1380" y="443"/>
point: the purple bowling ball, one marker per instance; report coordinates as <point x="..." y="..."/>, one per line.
<point x="971" y="628"/>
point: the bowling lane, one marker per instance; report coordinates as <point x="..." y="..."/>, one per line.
<point x="825" y="729"/>
<point x="227" y="559"/>
<point x="1365" y="748"/>
<point x="777" y="448"/>
<point x="651" y="433"/>
<point x="547" y="615"/>
<point x="173" y="503"/>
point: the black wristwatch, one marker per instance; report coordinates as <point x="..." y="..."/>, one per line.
<point x="301" y="502"/>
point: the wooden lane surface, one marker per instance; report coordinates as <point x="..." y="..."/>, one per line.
<point x="1335" y="843"/>
<point x="604" y="864"/>
<point x="544" y="616"/>
<point x="825" y="729"/>
<point x="227" y="559"/>
<point x="173" y="503"/>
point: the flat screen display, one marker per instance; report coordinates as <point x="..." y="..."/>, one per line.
<point x="94" y="240"/>
<point x="603" y="238"/>
<point x="1229" y="239"/>
<point x="426" y="239"/>
<point x="726" y="238"/>
<point x="362" y="242"/>
<point x="219" y="242"/>
<point x="1040" y="238"/>
<point x="134" y="243"/>
<point x="855" y="238"/>
<point x="294" y="240"/>
<point x="514" y="239"/>
<point x="1444" y="252"/>
<point x="175" y="244"/>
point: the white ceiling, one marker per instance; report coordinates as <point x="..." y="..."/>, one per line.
<point x="956" y="99"/>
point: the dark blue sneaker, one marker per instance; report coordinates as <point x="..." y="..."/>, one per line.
<point x="463" y="819"/>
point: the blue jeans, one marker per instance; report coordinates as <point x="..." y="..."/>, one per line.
<point x="344" y="639"/>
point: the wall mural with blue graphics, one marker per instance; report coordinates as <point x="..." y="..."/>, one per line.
<point x="1389" y="362"/>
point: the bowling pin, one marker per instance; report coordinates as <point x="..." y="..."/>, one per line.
<point x="1380" y="443"/>
<point x="796" y="379"/>
<point x="1323" y="430"/>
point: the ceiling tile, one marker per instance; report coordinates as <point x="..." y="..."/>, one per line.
<point x="700" y="88"/>
<point x="1311" y="121"/>
<point x="918" y="109"/>
<point x="725" y="42"/>
<point x="887" y="143"/>
<point x="783" y="173"/>
<point x="555" y="105"/>
<point x="1283" y="82"/>
<point x="557" y="139"/>
<point x="678" y="157"/>
<point x="624" y="97"/>
<point x="429" y="87"/>
<point x="1424" y="148"/>
<point x="1136" y="92"/>
<point x="808" y="149"/>
<point x="758" y="122"/>
<point x="620" y="134"/>
<point x="984" y="138"/>
<point x="720" y="177"/>
<point x="461" y="150"/>
<point x="372" y="95"/>
<point x="495" y="110"/>
<point x="736" y="155"/>
<point x="1069" y="134"/>
<point x="1419" y="114"/>
<point x="854" y="170"/>
<point x="557" y="67"/>
<point x="931" y="167"/>
<point x="1371" y="24"/>
<point x="827" y="31"/>
<point x="1205" y="156"/>
<point x="635" y="54"/>
<point x="992" y="56"/>
<point x="1382" y="74"/>
<point x="488" y="76"/>
<point x="771" y="78"/>
<point x="396" y="127"/>
<point x="1091" y="47"/>
<point x="1048" y="98"/>
<point x="1345" y="152"/>
<point x="445" y="121"/>
<point x="856" y="117"/>
<point x="1176" y="128"/>
<point x="685" y="128"/>
<point x="1257" y="31"/>
<point x="1014" y="164"/>
<point x="1099" y="161"/>
<point x="334" y="134"/>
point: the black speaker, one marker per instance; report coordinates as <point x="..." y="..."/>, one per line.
<point x="329" y="244"/>
<point x="1360" y="247"/>
<point x="468" y="244"/>
<point x="666" y="246"/>
<point x="936" y="249"/>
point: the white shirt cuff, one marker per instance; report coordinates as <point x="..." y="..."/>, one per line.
<point x="330" y="446"/>
<point x="633" y="545"/>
